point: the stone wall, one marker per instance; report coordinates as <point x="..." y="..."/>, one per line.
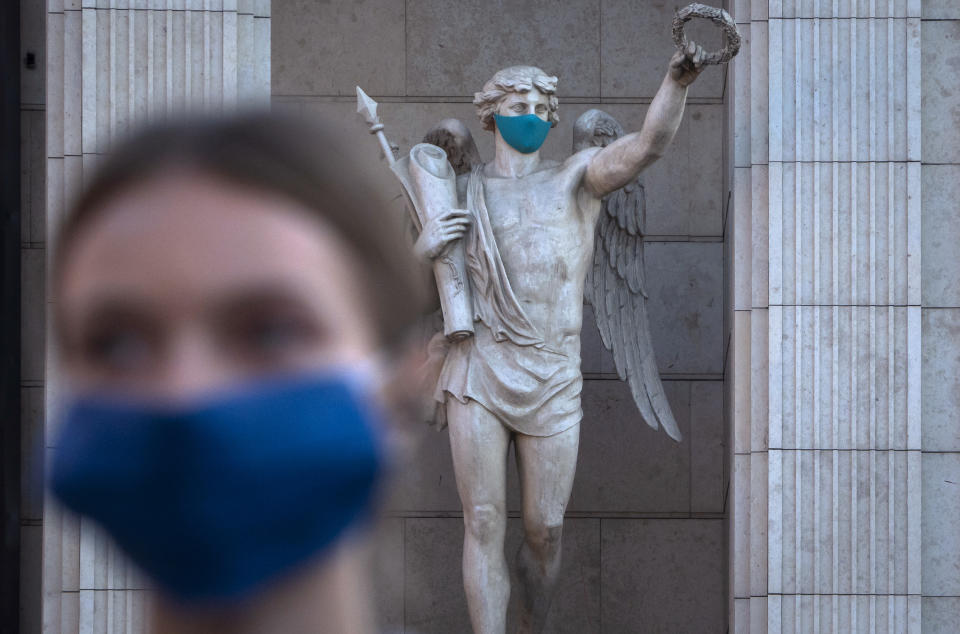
<point x="644" y="542"/>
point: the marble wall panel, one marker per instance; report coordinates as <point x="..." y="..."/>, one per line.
<point x="624" y="466"/>
<point x="32" y="477"/>
<point x="661" y="575"/>
<point x="453" y="48"/>
<point x="941" y="97"/>
<point x="32" y="315"/>
<point x="940" y="10"/>
<point x="941" y="235"/>
<point x="940" y="614"/>
<point x="941" y="379"/>
<point x="31" y="566"/>
<point x="685" y="288"/>
<point x="637" y="45"/>
<point x="387" y="571"/>
<point x="708" y="485"/>
<point x="327" y="48"/>
<point x="941" y="516"/>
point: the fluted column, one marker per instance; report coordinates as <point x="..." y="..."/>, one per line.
<point x="113" y="65"/>
<point x="827" y="356"/>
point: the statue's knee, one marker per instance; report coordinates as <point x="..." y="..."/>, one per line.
<point x="544" y="539"/>
<point x="485" y="522"/>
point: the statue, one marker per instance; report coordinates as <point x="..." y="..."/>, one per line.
<point x="514" y="243"/>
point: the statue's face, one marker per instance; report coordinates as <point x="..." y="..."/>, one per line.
<point x="520" y="103"/>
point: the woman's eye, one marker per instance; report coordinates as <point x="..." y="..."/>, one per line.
<point x="276" y="338"/>
<point x="518" y="107"/>
<point x="120" y="350"/>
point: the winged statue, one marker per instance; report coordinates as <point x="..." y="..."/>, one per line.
<point x="516" y="246"/>
<point x="615" y="285"/>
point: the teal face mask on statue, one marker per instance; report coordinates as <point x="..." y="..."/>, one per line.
<point x="525" y="133"/>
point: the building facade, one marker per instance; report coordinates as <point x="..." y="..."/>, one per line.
<point x="801" y="252"/>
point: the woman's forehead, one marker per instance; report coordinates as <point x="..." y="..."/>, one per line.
<point x="195" y="232"/>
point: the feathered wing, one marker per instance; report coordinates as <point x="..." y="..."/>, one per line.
<point x="616" y="289"/>
<point x="456" y="140"/>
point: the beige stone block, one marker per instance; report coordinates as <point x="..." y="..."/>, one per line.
<point x="33" y="178"/>
<point x="387" y="570"/>
<point x="594" y="356"/>
<point x="941" y="99"/>
<point x="59" y="34"/>
<point x="940" y="614"/>
<point x="940" y="566"/>
<point x="434" y="597"/>
<point x="684" y="284"/>
<point x="32" y="40"/>
<point x="636" y="45"/>
<point x="425" y="480"/>
<point x="940" y="10"/>
<point x="941" y="235"/>
<point x="327" y="48"/>
<point x="69" y="617"/>
<point x="31" y="453"/>
<point x="941" y="379"/>
<point x="740" y="537"/>
<point x="623" y="465"/>
<point x="69" y="548"/>
<point x="759" y="380"/>
<point x="667" y="575"/>
<point x="32" y="314"/>
<point x="453" y="48"/>
<point x="707" y="446"/>
<point x="31" y="564"/>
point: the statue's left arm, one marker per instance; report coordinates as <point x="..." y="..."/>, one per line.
<point x="620" y="162"/>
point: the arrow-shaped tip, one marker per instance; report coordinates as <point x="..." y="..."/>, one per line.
<point x="366" y="106"/>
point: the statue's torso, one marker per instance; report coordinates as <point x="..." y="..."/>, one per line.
<point x="544" y="227"/>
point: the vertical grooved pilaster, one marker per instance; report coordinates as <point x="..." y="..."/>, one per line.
<point x="114" y="65"/>
<point x="839" y="270"/>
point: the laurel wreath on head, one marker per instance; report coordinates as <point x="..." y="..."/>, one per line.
<point x="719" y="17"/>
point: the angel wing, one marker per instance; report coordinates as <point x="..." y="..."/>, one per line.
<point x="615" y="285"/>
<point x="457" y="141"/>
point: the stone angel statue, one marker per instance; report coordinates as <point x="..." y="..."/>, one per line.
<point x="516" y="245"/>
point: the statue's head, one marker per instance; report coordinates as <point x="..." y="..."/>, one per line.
<point x="524" y="85"/>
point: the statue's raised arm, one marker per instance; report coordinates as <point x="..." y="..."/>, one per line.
<point x="619" y="163"/>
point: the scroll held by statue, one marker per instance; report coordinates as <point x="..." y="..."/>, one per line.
<point x="431" y="185"/>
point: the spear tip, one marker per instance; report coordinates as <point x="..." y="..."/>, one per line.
<point x="367" y="107"/>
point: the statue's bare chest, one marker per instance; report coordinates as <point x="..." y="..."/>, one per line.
<point x="544" y="203"/>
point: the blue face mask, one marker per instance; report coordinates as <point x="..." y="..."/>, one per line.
<point x="216" y="499"/>
<point x="524" y="133"/>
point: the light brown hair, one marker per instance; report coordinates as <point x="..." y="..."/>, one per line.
<point x="303" y="160"/>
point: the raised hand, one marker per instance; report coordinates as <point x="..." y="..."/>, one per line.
<point x="441" y="231"/>
<point x="686" y="65"/>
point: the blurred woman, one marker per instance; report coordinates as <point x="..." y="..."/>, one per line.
<point x="231" y="303"/>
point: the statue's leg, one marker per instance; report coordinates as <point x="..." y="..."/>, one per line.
<point x="479" y="443"/>
<point x="546" y="466"/>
